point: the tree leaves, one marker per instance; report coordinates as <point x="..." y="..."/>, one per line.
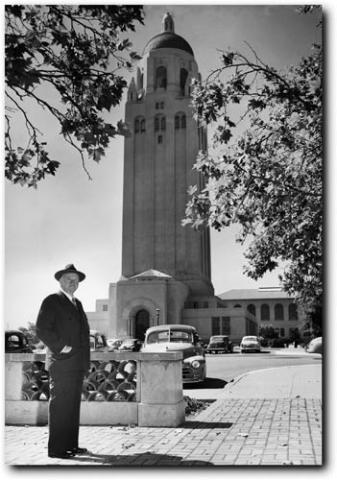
<point x="76" y="50"/>
<point x="266" y="175"/>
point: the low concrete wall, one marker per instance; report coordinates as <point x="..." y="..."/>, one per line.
<point x="158" y="401"/>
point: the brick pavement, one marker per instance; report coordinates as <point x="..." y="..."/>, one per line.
<point x="277" y="431"/>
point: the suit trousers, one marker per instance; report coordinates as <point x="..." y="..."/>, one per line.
<point x="64" y="410"/>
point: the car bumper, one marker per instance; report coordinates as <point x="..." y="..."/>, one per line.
<point x="217" y="350"/>
<point x="192" y="375"/>
<point x="250" y="349"/>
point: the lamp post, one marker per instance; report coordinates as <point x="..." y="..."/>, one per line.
<point x="157" y="315"/>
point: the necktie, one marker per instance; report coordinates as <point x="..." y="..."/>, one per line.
<point x="74" y="302"/>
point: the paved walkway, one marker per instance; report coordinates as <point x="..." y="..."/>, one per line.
<point x="269" y="417"/>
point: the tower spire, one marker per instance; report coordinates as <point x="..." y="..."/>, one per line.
<point x="167" y="23"/>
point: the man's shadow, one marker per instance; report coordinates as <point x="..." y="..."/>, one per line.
<point x="146" y="459"/>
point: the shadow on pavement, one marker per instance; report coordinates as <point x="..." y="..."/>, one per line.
<point x="146" y="459"/>
<point x="200" y="424"/>
<point x="208" y="383"/>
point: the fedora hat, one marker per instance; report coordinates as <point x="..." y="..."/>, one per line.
<point x="69" y="269"/>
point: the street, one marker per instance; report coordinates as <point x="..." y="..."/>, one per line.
<point x="224" y="368"/>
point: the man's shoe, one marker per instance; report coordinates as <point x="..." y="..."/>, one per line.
<point x="79" y="450"/>
<point x="65" y="455"/>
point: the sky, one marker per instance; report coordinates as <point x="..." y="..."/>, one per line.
<point x="71" y="219"/>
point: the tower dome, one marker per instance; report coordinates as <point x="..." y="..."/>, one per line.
<point x="167" y="38"/>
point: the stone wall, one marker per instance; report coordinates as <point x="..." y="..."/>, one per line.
<point x="122" y="388"/>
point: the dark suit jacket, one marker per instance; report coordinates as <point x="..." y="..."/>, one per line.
<point x="60" y="323"/>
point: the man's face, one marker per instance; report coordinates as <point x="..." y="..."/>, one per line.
<point x="69" y="282"/>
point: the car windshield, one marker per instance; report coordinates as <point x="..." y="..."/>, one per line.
<point x="218" y="339"/>
<point x="250" y="339"/>
<point x="172" y="335"/>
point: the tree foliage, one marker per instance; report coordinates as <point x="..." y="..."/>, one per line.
<point x="265" y="170"/>
<point x="78" y="52"/>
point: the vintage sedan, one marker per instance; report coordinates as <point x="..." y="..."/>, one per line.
<point x="179" y="338"/>
<point x="219" y="344"/>
<point x="16" y="342"/>
<point x="97" y="342"/>
<point x="130" y="345"/>
<point x="250" y="343"/>
<point x="315" y="345"/>
<point x="113" y="343"/>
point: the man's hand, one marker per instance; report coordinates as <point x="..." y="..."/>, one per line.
<point x="66" y="349"/>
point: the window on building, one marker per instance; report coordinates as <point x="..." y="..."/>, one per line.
<point x="161" y="78"/>
<point x="160" y="138"/>
<point x="226" y="325"/>
<point x="159" y="123"/>
<point x="265" y="312"/>
<point x="105" y="307"/>
<point x="205" y="305"/>
<point x="180" y="121"/>
<point x="188" y="305"/>
<point x="161" y="105"/>
<point x="215" y="325"/>
<point x="282" y="332"/>
<point x="278" y="310"/>
<point x="183" y="78"/>
<point x="251" y="309"/>
<point x="195" y="305"/>
<point x="139" y="125"/>
<point x="237" y="305"/>
<point x="292" y="310"/>
<point x="141" y="80"/>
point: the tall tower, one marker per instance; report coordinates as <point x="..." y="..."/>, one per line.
<point x="165" y="266"/>
<point x="158" y="160"/>
<point x="166" y="274"/>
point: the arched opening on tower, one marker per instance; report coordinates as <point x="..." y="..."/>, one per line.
<point x="161" y="77"/>
<point x="142" y="323"/>
<point x="183" y="78"/>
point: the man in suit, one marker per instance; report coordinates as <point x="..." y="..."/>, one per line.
<point x="63" y="327"/>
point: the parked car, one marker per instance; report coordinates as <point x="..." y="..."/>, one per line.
<point x="179" y="338"/>
<point x="97" y="341"/>
<point x="130" y="345"/>
<point x="250" y="343"/>
<point x="315" y="345"/>
<point x="16" y="342"/>
<point x="219" y="344"/>
<point x="114" y="343"/>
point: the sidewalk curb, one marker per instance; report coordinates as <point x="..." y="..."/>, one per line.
<point x="236" y="380"/>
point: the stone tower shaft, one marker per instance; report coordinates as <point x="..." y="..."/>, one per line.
<point x="158" y="159"/>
